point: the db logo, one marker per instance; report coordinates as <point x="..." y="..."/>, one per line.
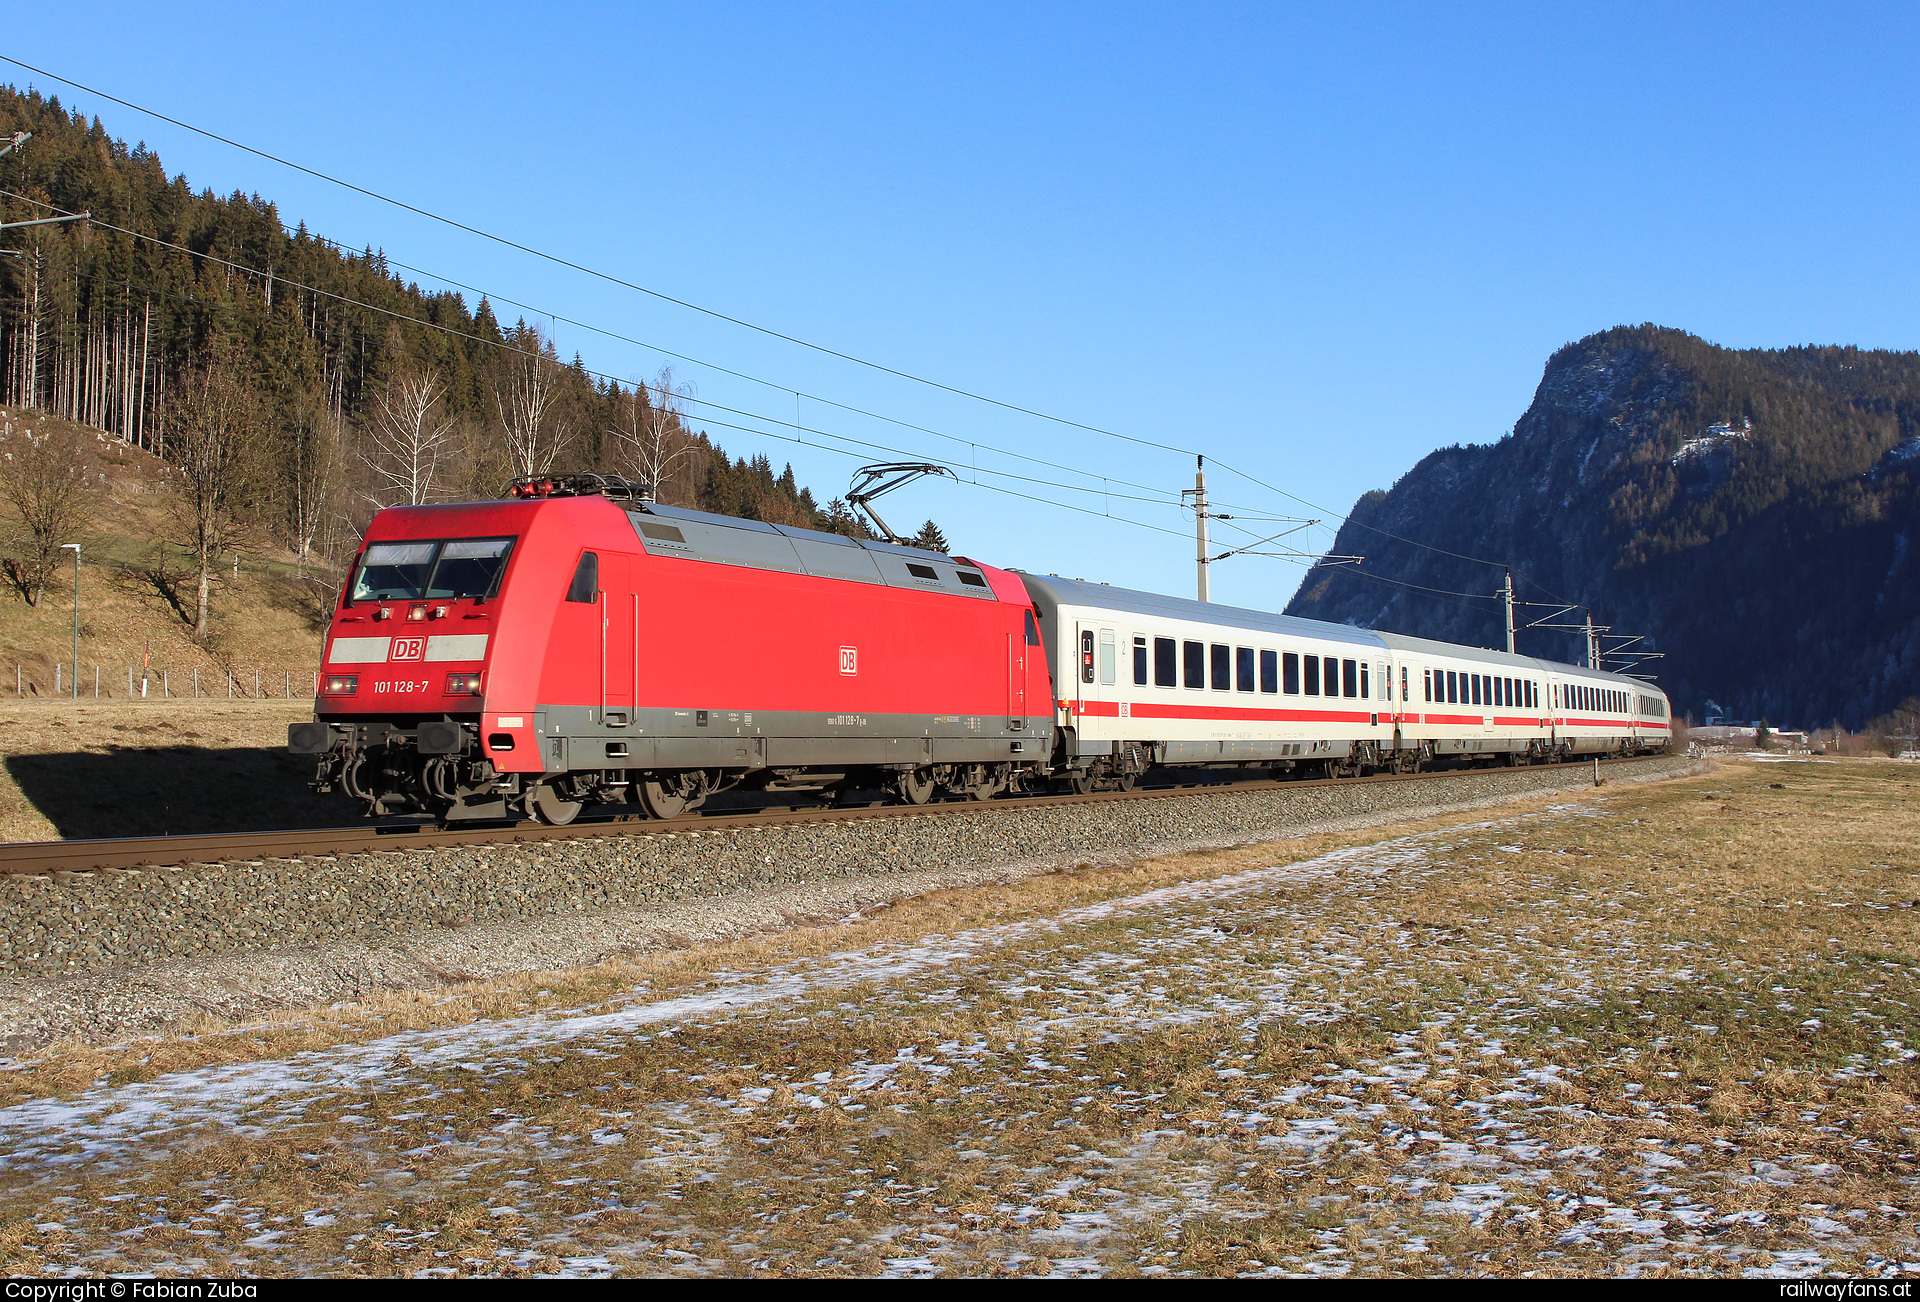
<point x="408" y="648"/>
<point x="849" y="660"/>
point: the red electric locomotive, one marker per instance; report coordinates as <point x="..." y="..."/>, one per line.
<point x="577" y="645"/>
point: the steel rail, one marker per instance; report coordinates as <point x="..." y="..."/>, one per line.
<point x="79" y="856"/>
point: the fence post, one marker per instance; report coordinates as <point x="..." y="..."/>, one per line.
<point x="129" y="682"/>
<point x="96" y="682"/>
<point x="56" y="678"/>
<point x="196" y="682"/>
<point x="256" y="684"/>
<point x="229" y="684"/>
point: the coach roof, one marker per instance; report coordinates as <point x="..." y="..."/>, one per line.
<point x="1151" y="605"/>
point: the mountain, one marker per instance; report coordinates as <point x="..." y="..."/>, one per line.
<point x="1751" y="511"/>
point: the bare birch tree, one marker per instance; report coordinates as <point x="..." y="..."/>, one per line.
<point x="525" y="397"/>
<point x="218" y="444"/>
<point x="43" y="477"/>
<point x="649" y="439"/>
<point x="313" y="472"/>
<point x="409" y="437"/>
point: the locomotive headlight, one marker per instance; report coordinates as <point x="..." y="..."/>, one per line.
<point x="463" y="684"/>
<point x="416" y="613"/>
<point x="340" y="684"/>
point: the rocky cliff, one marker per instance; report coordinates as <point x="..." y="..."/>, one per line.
<point x="1751" y="511"/>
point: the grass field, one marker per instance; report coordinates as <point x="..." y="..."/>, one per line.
<point x="1664" y="1029"/>
<point x="133" y="768"/>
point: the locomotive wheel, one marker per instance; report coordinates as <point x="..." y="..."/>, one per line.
<point x="658" y="802"/>
<point x="550" y="808"/>
<point x="915" y="786"/>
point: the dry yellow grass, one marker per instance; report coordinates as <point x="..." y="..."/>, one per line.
<point x="260" y="622"/>
<point x="1665" y="1031"/>
<point x="120" y="768"/>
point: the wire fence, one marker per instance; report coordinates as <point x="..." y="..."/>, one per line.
<point x="152" y="683"/>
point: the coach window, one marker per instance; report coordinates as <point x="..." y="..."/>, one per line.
<point x="1195" y="655"/>
<point x="1270" y="672"/>
<point x="1473" y="688"/>
<point x="1106" y="657"/>
<point x="1165" y="662"/>
<point x="586" y="579"/>
<point x="1222" y="668"/>
<point x="1453" y="687"/>
<point x="1405" y="697"/>
<point x="1243" y="669"/>
<point x="1426" y="686"/>
<point x="1086" y="655"/>
<point x="1350" y="677"/>
<point x="1290" y="670"/>
<point x="1329" y="676"/>
<point x="1366" y="683"/>
<point x="1312" y="675"/>
<point x="1140" y="661"/>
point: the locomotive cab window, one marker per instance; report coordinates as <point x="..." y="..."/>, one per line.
<point x="1033" y="629"/>
<point x="469" y="567"/>
<point x="394" y="571"/>
<point x="586" y="579"/>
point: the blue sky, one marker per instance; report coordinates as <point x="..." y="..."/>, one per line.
<point x="1314" y="243"/>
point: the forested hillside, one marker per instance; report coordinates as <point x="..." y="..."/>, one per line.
<point x="291" y="387"/>
<point x="1753" y="511"/>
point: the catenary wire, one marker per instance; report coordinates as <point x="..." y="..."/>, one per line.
<point x="755" y="416"/>
<point x="733" y="320"/>
<point x="616" y="280"/>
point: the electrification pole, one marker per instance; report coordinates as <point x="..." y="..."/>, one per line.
<point x="1506" y="599"/>
<point x="1200" y="522"/>
<point x="76" y="616"/>
<point x="1593" y="643"/>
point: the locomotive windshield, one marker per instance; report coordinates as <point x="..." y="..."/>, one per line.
<point x="410" y="571"/>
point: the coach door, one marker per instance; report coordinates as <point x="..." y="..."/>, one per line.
<point x="1096" y="661"/>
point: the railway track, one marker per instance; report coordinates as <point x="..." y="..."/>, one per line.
<point x="43" y="857"/>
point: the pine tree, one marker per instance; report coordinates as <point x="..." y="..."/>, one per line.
<point x="931" y="538"/>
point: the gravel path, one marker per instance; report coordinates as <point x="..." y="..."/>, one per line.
<point x="97" y="955"/>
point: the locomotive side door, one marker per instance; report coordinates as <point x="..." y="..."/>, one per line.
<point x="619" y="627"/>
